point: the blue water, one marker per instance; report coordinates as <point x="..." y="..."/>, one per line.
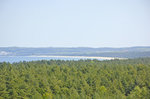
<point x="13" y="59"/>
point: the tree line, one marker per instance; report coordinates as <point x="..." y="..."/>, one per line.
<point x="83" y="79"/>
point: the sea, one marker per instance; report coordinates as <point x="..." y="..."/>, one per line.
<point x="14" y="59"/>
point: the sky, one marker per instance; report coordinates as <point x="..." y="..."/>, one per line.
<point x="74" y="23"/>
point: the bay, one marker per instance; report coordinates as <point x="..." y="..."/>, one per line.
<point x="12" y="59"/>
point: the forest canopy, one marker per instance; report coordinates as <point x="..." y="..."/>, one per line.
<point x="83" y="79"/>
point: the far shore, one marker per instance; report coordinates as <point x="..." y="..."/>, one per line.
<point x="84" y="57"/>
<point x="87" y="57"/>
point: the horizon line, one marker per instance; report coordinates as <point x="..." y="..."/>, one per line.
<point x="72" y="47"/>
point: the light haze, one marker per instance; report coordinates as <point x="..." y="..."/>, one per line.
<point x="74" y="23"/>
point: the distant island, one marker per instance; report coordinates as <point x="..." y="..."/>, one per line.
<point x="126" y="52"/>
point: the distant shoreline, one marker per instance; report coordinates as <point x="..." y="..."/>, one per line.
<point x="84" y="57"/>
<point x="87" y="57"/>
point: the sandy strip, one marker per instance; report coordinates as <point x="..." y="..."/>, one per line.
<point x="86" y="57"/>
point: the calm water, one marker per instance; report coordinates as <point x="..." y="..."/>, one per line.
<point x="23" y="58"/>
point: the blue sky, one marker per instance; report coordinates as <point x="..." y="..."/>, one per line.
<point x="74" y="23"/>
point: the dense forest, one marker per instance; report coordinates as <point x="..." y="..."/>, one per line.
<point x="83" y="79"/>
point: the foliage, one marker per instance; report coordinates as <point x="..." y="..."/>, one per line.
<point x="83" y="79"/>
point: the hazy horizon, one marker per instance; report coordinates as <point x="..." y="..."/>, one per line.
<point x="26" y="23"/>
<point x="72" y="47"/>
